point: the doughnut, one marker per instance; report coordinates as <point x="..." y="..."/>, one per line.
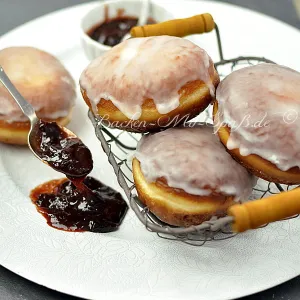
<point x="256" y="114"/>
<point x="43" y="81"/>
<point x="145" y="84"/>
<point x="185" y="176"/>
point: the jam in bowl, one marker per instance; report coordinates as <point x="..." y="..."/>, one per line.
<point x="106" y="24"/>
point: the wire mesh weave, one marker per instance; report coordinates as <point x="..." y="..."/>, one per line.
<point x="119" y="147"/>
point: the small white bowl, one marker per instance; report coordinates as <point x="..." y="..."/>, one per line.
<point x="96" y="16"/>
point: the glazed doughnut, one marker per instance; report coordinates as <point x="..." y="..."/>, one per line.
<point x="43" y="81"/>
<point x="144" y="84"/>
<point x="185" y="176"/>
<point x="257" y="118"/>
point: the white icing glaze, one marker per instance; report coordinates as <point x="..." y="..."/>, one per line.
<point x="146" y="68"/>
<point x="193" y="159"/>
<point x="261" y="104"/>
<point x="41" y="79"/>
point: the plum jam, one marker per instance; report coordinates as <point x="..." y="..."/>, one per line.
<point x="99" y="208"/>
<point x="76" y="203"/>
<point x="112" y="31"/>
<point x="61" y="151"/>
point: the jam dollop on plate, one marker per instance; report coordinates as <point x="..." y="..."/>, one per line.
<point x="96" y="208"/>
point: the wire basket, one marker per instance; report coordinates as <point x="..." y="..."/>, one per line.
<point x="119" y="147"/>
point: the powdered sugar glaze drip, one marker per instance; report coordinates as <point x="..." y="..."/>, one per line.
<point x="146" y="68"/>
<point x="194" y="160"/>
<point x="261" y="105"/>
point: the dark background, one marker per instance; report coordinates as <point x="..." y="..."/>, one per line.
<point x="14" y="13"/>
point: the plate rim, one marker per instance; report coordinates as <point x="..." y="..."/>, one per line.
<point x="90" y="5"/>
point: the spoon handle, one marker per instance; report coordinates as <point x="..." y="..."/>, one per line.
<point x="27" y="109"/>
<point x="144" y="15"/>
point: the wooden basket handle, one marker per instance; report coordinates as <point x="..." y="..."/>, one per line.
<point x="179" y="27"/>
<point x="254" y="214"/>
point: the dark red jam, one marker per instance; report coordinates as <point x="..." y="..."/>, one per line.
<point x="112" y="31"/>
<point x="95" y="207"/>
<point x="64" y="153"/>
<point x="80" y="203"/>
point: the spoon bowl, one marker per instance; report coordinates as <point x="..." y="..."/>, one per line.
<point x="54" y="145"/>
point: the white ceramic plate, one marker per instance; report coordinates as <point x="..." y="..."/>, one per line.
<point x="133" y="262"/>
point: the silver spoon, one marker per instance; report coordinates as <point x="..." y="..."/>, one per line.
<point x="143" y="18"/>
<point x="35" y="122"/>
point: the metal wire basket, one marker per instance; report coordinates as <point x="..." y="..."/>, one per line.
<point x="119" y="147"/>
